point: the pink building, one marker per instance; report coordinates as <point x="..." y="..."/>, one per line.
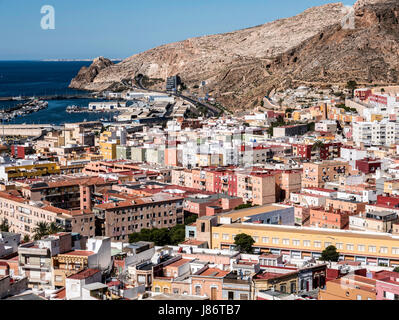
<point x="208" y="282"/>
<point x="387" y="285"/>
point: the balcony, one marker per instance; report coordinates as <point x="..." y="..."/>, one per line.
<point x="42" y="266"/>
<point x="29" y="251"/>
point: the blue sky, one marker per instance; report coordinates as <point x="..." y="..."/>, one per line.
<point x="120" y="28"/>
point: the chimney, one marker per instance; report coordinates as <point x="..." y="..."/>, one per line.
<point x="85" y="197"/>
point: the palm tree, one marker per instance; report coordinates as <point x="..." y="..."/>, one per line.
<point x="318" y="145"/>
<point x="41" y="230"/>
<point x="4" y="227"/>
<point x="54" y="228"/>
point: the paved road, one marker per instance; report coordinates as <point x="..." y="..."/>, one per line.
<point x="214" y="111"/>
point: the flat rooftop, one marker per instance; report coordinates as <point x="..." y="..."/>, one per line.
<point x="234" y="215"/>
<point x="164" y="296"/>
<point x="309" y="230"/>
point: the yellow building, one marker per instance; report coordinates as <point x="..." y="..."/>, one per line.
<point x="67" y="264"/>
<point x="376" y="117"/>
<point x="29" y="171"/>
<point x="302" y="242"/>
<point x="163" y="285"/>
<point x="206" y="160"/>
<point x="391" y="187"/>
<point x="296" y="115"/>
<point x="108" y="143"/>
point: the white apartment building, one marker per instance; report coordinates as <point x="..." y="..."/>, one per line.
<point x="376" y="133"/>
<point x="352" y="154"/>
<point x="326" y="126"/>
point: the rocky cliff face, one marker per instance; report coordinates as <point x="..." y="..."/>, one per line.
<point x="86" y="75"/>
<point x="327" y="44"/>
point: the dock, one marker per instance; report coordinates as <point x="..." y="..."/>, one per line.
<point x="51" y="97"/>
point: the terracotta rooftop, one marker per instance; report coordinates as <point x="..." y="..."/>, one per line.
<point x="84" y="274"/>
<point x="193" y="242"/>
<point x="214" y="272"/>
<point x="81" y="253"/>
<point x="178" y="263"/>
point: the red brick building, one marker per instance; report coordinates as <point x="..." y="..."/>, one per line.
<point x="368" y="165"/>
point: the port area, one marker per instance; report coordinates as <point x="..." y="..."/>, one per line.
<point x="78" y="109"/>
<point x="22" y="109"/>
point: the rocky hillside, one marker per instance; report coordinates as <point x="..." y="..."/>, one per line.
<point x="330" y="43"/>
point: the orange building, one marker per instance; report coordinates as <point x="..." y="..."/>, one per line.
<point x="329" y="218"/>
<point x="209" y="283"/>
<point x="171" y="157"/>
<point x="352" y="287"/>
<point x="318" y="173"/>
<point x="346" y="205"/>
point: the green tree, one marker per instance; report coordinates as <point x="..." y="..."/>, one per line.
<point x="318" y="145"/>
<point x="41" y="230"/>
<point x="54" y="228"/>
<point x="243" y="206"/>
<point x="289" y="111"/>
<point x="145" y="235"/>
<point x="160" y="237"/>
<point x="177" y="234"/>
<point x="244" y="242"/>
<point x="26" y="238"/>
<point x="311" y="126"/>
<point x="134" y="237"/>
<point x="190" y="219"/>
<point x="4" y="227"/>
<point x="330" y="254"/>
<point x="396" y="269"/>
<point x="351" y="85"/>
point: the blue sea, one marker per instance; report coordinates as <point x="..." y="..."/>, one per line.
<point x="36" y="78"/>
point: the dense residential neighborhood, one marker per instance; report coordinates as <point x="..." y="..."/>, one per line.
<point x="201" y="159"/>
<point x="260" y="206"/>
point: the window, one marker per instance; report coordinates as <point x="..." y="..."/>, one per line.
<point x="198" y="290"/>
<point x="265" y="239"/>
<point x="216" y="236"/>
<point x="293" y="287"/>
<point x="317" y="244"/>
<point x="286" y="242"/>
<point x="372" y="249"/>
<point x="327" y="244"/>
<point x="339" y="245"/>
<point x="225" y="236"/>
<point x="157" y="289"/>
<point x="361" y="247"/>
<point x="306" y="243"/>
<point x="358" y="297"/>
<point x="296" y="243"/>
<point x="230" y="295"/>
<point x="395" y="251"/>
<point x="275" y="240"/>
<point x="350" y="247"/>
<point x="383" y="250"/>
<point x="256" y="239"/>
